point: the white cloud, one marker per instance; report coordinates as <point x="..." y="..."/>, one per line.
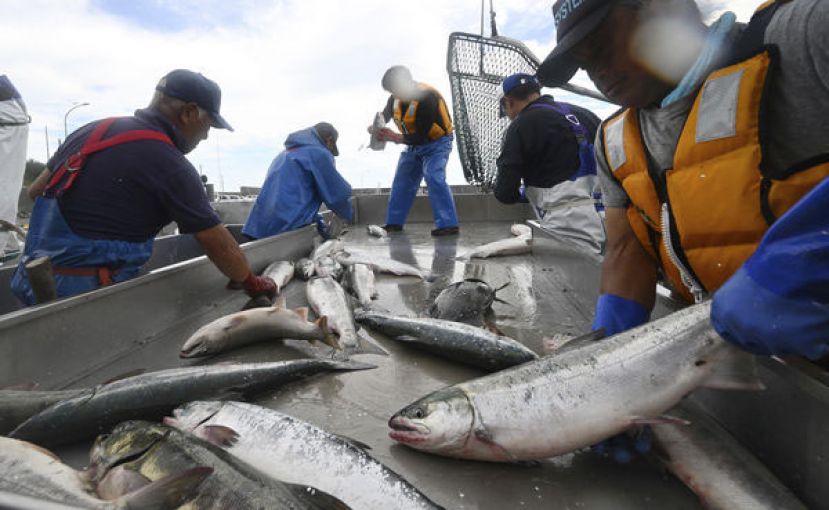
<point x="282" y="66"/>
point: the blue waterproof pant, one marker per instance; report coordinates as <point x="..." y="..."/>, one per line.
<point x="416" y="163"/>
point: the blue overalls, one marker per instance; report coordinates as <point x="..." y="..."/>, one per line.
<point x="416" y="163"/>
<point x="80" y="264"/>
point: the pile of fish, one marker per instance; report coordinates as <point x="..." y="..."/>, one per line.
<point x="215" y="454"/>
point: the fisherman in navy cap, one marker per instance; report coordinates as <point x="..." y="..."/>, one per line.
<point x="547" y="159"/>
<point x="113" y="185"/>
<point x="714" y="173"/>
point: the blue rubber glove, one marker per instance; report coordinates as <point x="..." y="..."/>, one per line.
<point x="322" y="227"/>
<point x="522" y="194"/>
<point x="624" y="447"/>
<point x="778" y="302"/>
<point x="616" y="314"/>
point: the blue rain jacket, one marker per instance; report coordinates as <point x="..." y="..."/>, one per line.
<point x="299" y="180"/>
<point x="778" y="301"/>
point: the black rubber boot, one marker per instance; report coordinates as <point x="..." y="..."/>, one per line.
<point x="393" y="228"/>
<point x="446" y="231"/>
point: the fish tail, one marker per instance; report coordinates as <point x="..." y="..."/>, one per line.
<point x="169" y="492"/>
<point x="329" y="337"/>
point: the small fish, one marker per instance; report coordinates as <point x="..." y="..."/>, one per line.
<point x="281" y="272"/>
<point x="330" y="247"/>
<point x="328" y="266"/>
<point x="155" y="394"/>
<point x="16" y="406"/>
<point x="154" y="451"/>
<point x="558" y="404"/>
<point x="35" y="474"/>
<point x="278" y="445"/>
<point x="380" y="264"/>
<point x="376" y="231"/>
<point x="361" y="281"/>
<point x="328" y="298"/>
<point x="304" y="269"/>
<point x="521" y="230"/>
<point x="722" y="472"/>
<point x="469" y="301"/>
<point x="256" y="325"/>
<point x="511" y="246"/>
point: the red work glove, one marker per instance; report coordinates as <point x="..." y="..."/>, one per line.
<point x="256" y="286"/>
<point x="387" y="135"/>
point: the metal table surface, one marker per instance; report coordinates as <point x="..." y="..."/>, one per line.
<point x="552" y="290"/>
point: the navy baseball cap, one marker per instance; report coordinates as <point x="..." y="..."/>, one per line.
<point x="574" y="19"/>
<point x="516" y="80"/>
<point x="193" y="87"/>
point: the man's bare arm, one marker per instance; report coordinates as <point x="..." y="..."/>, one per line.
<point x="628" y="271"/>
<point x="221" y="248"/>
<point x="39" y="184"/>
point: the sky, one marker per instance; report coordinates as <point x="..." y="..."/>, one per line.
<point x="283" y="65"/>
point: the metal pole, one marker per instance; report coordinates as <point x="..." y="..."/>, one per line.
<point x="75" y="107"/>
<point x="46" y="131"/>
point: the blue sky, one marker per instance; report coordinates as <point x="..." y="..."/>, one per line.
<point x="283" y="65"/>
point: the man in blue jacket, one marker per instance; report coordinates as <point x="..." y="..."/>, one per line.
<point x="301" y="178"/>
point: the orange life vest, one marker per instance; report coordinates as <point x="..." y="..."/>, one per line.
<point x="705" y="216"/>
<point x="406" y="120"/>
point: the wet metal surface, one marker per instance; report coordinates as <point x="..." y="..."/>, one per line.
<point x="549" y="292"/>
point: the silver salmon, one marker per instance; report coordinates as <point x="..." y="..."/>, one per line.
<point x="256" y="325"/>
<point x="154" y="394"/>
<point x="512" y="246"/>
<point x="459" y="342"/>
<point x="152" y="451"/>
<point x="330" y="247"/>
<point x="722" y="472"/>
<point x="558" y="404"/>
<point x="281" y="272"/>
<point x="16" y="406"/>
<point x="278" y="445"/>
<point x="304" y="269"/>
<point x="361" y="281"/>
<point x="380" y="264"/>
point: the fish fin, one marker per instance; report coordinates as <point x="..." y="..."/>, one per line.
<point x="302" y="312"/>
<point x="329" y="337"/>
<point x="348" y="365"/>
<point x="559" y="343"/>
<point x="485" y="437"/>
<point x="119" y="481"/>
<point x="169" y="492"/>
<point x="218" y="435"/>
<point x="29" y="386"/>
<point x="315" y="498"/>
<point x="280" y="301"/>
<point x="735" y="371"/>
<point x="369" y="345"/>
<point x="126" y="375"/>
<point x="493" y="328"/>
<point x="257" y="302"/>
<point x="350" y="440"/>
<point x="659" y="420"/>
<point x="406" y="339"/>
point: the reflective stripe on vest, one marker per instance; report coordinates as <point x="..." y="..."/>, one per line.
<point x="718" y="200"/>
<point x="407" y="121"/>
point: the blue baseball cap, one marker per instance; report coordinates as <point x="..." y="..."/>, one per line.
<point x="575" y="20"/>
<point x="516" y="80"/>
<point x="193" y="87"/>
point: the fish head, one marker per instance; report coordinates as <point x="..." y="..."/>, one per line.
<point x="212" y="336"/>
<point x="128" y="441"/>
<point x="193" y="414"/>
<point x="440" y="422"/>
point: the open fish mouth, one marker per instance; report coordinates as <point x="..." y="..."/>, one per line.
<point x="406" y="431"/>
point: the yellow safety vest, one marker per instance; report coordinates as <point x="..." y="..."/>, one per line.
<point x="703" y="218"/>
<point x="405" y="120"/>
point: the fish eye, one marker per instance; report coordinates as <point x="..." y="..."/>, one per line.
<point x="418" y="412"/>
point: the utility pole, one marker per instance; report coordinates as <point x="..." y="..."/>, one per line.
<point x="46" y="131"/>
<point x="66" y="115"/>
